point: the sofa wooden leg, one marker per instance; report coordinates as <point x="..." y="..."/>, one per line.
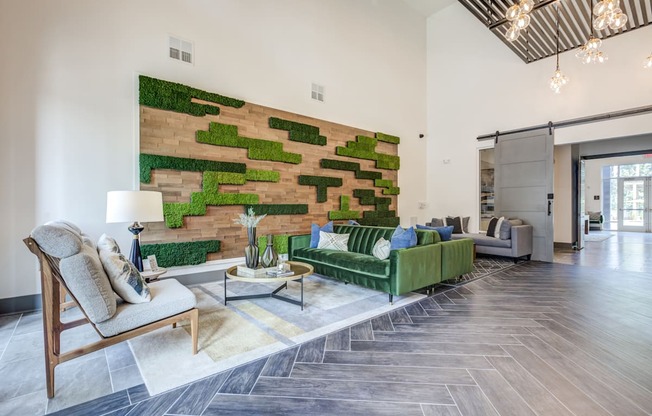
<point x="391" y="299"/>
<point x="529" y="256"/>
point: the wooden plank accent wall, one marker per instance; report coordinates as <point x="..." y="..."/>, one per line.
<point x="169" y="133"/>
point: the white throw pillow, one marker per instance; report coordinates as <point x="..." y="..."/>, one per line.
<point x="125" y="279"/>
<point x="333" y="241"/>
<point x="381" y="249"/>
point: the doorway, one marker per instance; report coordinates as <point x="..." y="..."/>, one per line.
<point x="627" y="191"/>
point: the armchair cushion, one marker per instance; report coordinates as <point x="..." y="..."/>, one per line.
<point x="57" y="239"/>
<point x="89" y="284"/>
<point x="169" y="297"/>
<point x="125" y="279"/>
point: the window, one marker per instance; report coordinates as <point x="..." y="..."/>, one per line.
<point x="486" y="187"/>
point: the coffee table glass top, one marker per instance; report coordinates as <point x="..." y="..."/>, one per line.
<point x="300" y="270"/>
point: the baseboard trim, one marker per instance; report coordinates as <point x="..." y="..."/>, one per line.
<point x="564" y="246"/>
<point x="19" y="304"/>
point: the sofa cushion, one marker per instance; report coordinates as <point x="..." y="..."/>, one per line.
<point x="505" y="232"/>
<point x="314" y="232"/>
<point x="365" y="263"/>
<point x="169" y="297"/>
<point x="333" y="241"/>
<point x="483" y="240"/>
<point x="362" y="239"/>
<point x="460" y="224"/>
<point x="89" y="284"/>
<point x="381" y="249"/>
<point x="445" y="233"/>
<point x="403" y="238"/>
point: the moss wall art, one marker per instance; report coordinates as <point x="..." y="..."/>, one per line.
<point x="213" y="157"/>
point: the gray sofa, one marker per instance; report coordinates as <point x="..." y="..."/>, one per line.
<point x="519" y="245"/>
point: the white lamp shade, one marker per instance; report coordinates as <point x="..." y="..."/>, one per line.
<point x="134" y="206"/>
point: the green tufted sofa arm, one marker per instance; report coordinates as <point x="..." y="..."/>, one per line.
<point x="415" y="267"/>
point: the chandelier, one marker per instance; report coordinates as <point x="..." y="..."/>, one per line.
<point x="519" y="15"/>
<point x="558" y="80"/>
<point x="590" y="52"/>
<point x="609" y="15"/>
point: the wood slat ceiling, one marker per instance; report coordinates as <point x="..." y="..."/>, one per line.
<point x="539" y="40"/>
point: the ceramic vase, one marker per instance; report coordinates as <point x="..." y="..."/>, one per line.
<point x="251" y="251"/>
<point x="269" y="257"/>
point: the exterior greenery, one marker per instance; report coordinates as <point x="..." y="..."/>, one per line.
<point x="149" y="162"/>
<point x="178" y="97"/>
<point x="219" y="134"/>
<point x="278" y="209"/>
<point x="365" y="148"/>
<point x="350" y="166"/>
<point x="279" y="242"/>
<point x="298" y="132"/>
<point x="180" y="254"/>
<point x="322" y="183"/>
<point x="382" y="137"/>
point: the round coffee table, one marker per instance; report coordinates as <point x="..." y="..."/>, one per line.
<point x="300" y="271"/>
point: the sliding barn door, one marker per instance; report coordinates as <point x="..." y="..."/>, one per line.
<point x="524" y="185"/>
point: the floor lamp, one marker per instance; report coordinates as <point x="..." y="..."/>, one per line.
<point x="134" y="207"/>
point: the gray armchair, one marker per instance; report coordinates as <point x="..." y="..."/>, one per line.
<point x="69" y="261"/>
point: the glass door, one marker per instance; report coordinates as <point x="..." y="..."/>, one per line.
<point x="634" y="204"/>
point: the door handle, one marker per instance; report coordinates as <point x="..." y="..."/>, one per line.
<point x="549" y="208"/>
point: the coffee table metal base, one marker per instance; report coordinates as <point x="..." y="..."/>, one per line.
<point x="273" y="294"/>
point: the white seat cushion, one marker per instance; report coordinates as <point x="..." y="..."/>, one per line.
<point x="169" y="297"/>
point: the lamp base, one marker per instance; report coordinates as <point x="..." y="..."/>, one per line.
<point x="134" y="256"/>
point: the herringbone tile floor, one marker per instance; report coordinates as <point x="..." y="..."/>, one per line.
<point x="534" y="339"/>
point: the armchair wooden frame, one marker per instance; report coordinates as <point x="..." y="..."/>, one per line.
<point x="53" y="290"/>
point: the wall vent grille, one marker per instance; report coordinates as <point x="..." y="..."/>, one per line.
<point x="317" y="92"/>
<point x="181" y="50"/>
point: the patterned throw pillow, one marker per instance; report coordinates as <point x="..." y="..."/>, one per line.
<point x="333" y="241"/>
<point x="125" y="279"/>
<point x="403" y="238"/>
<point x="314" y="232"/>
<point x="381" y="249"/>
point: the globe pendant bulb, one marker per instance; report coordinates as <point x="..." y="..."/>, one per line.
<point x="523" y="21"/>
<point x="513" y="12"/>
<point x="600" y="8"/>
<point x="593" y="43"/>
<point x="618" y="20"/>
<point x="601" y="22"/>
<point x="512" y="33"/>
<point x="647" y="63"/>
<point x="581" y="52"/>
<point x="526" y="5"/>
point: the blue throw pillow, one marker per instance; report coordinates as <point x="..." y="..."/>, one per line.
<point x="403" y="238"/>
<point x="353" y="222"/>
<point x="445" y="233"/>
<point x="314" y="233"/>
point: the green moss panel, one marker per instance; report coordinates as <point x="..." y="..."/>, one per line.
<point x="175" y="211"/>
<point x="279" y="242"/>
<point x="350" y="166"/>
<point x="344" y="212"/>
<point x="219" y="134"/>
<point x="149" y="162"/>
<point x="278" y="209"/>
<point x="380" y="222"/>
<point x="381" y="216"/>
<point x="382" y="137"/>
<point x="262" y="175"/>
<point x="365" y="148"/>
<point x="171" y="96"/>
<point x="389" y="185"/>
<point x="298" y="132"/>
<point x="180" y="254"/>
<point x="322" y="183"/>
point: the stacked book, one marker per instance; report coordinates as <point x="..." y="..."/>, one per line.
<point x="279" y="273"/>
<point x="260" y="272"/>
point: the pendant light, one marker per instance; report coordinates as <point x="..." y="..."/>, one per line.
<point x="519" y="15"/>
<point x="609" y="15"/>
<point x="590" y="52"/>
<point x="647" y="63"/>
<point x="558" y="80"/>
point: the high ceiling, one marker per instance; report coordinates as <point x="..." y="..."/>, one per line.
<point x="540" y="40"/>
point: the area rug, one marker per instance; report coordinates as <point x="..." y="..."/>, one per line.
<point x="597" y="237"/>
<point x="245" y="330"/>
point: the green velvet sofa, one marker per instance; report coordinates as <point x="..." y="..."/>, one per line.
<point x="429" y="262"/>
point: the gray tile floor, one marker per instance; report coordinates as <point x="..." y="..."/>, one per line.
<point x="549" y="339"/>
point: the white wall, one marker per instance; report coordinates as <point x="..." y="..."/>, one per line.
<point x="68" y="103"/>
<point x="476" y="85"/>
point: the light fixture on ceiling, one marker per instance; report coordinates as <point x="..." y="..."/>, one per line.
<point x="519" y="15"/>
<point x="590" y="52"/>
<point x="558" y="80"/>
<point x="647" y="63"/>
<point x="609" y="15"/>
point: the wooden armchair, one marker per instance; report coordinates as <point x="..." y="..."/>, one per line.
<point x="171" y="302"/>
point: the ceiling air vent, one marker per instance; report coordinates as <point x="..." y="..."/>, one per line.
<point x="181" y="50"/>
<point x="317" y="92"/>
